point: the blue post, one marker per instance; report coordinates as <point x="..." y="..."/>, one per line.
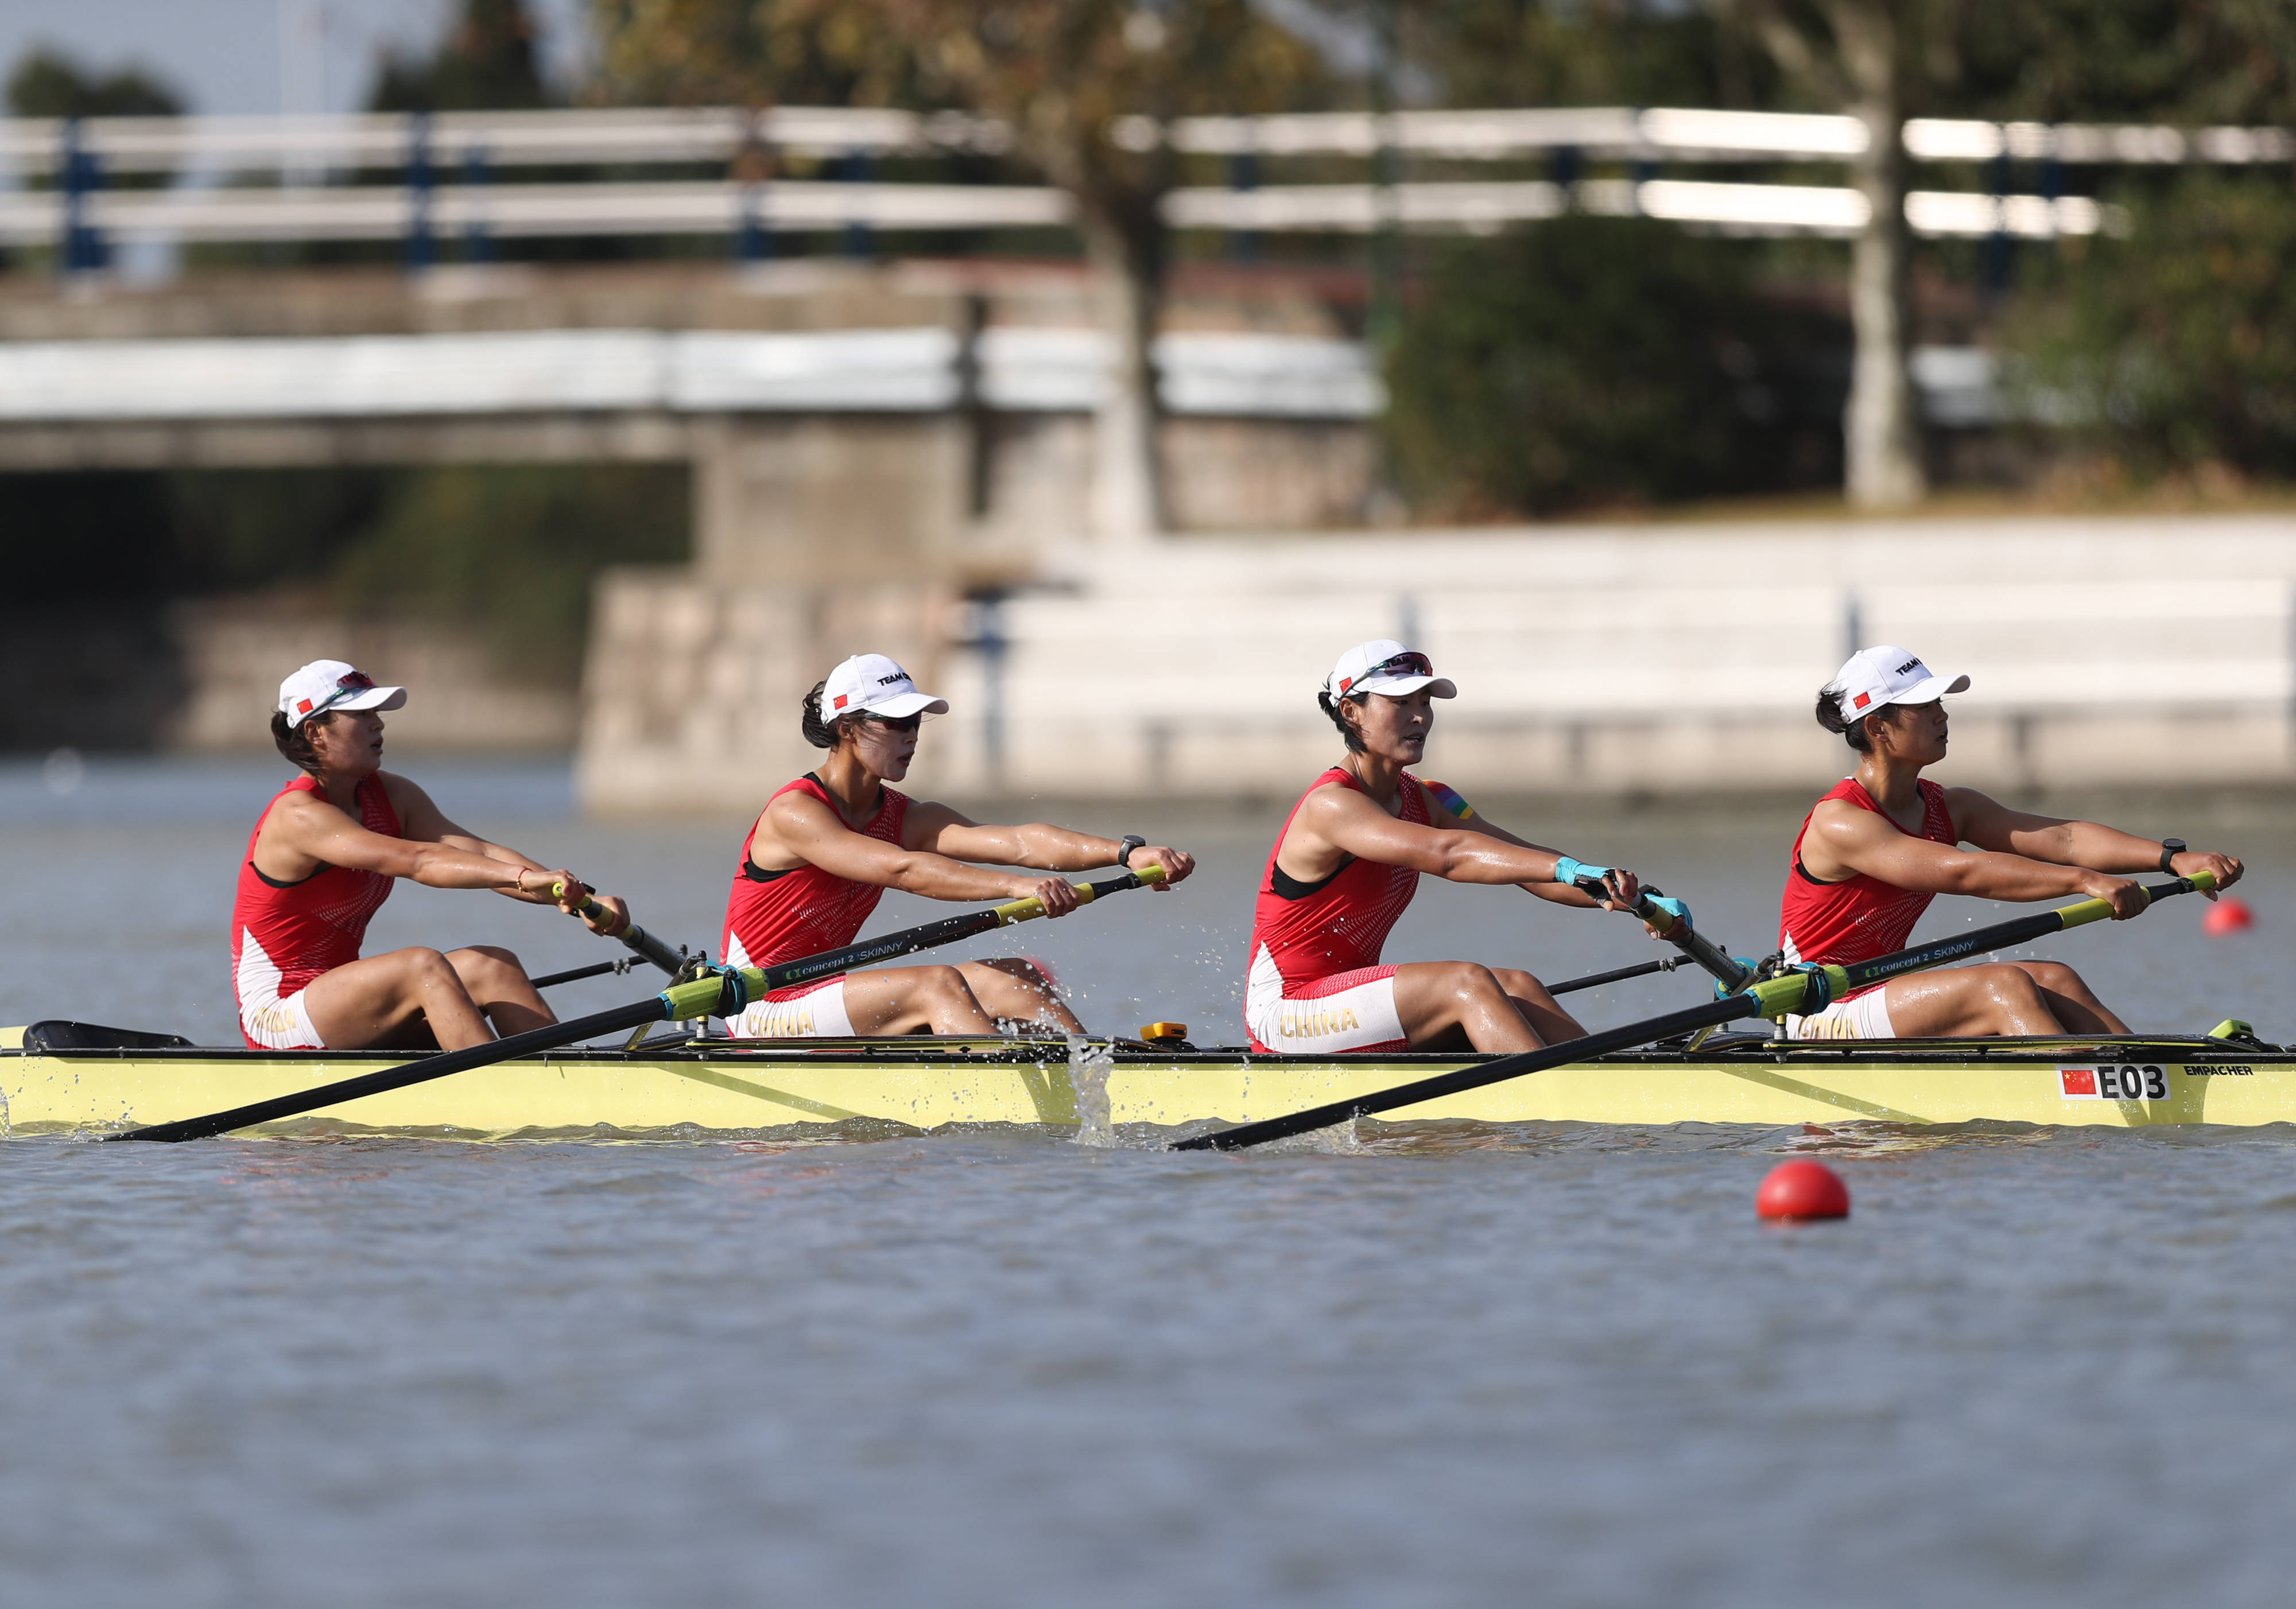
<point x="83" y="174"/>
<point x="860" y="239"/>
<point x="477" y="245"/>
<point x="753" y="242"/>
<point x="1997" y="244"/>
<point x="1243" y="178"/>
<point x="421" y="187"/>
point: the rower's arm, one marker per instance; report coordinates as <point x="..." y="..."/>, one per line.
<point x="1989" y="824"/>
<point x="423" y="821"/>
<point x="1444" y="811"/>
<point x="938" y="829"/>
<point x="304" y="832"/>
<point x="804" y="827"/>
<point x="1843" y="841"/>
<point x="1348" y="823"/>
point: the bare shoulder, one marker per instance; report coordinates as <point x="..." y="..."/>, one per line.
<point x="405" y="794"/>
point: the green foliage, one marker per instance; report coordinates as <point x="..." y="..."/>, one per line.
<point x="486" y="63"/>
<point x="45" y="84"/>
<point x="507" y="553"/>
<point x="512" y="550"/>
<point x="2175" y="350"/>
<point x="1568" y="53"/>
<point x="1588" y="360"/>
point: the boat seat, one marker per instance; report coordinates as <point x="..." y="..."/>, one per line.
<point x="59" y="1035"/>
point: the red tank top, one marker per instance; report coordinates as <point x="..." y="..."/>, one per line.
<point x="1833" y="924"/>
<point x="282" y="935"/>
<point x="1313" y="930"/>
<point x="779" y="916"/>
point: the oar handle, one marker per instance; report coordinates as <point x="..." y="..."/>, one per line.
<point x="636" y="937"/>
<point x="1030" y="908"/>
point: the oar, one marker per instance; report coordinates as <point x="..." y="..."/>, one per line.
<point x="1594" y="980"/>
<point x="636" y="937"/>
<point x="578" y="973"/>
<point x="723" y="992"/>
<point x="1678" y="931"/>
<point x="1801" y="992"/>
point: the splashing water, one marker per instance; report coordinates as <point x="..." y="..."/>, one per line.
<point x="1090" y="1062"/>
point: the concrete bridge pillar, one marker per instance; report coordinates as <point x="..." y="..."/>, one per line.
<point x="815" y="537"/>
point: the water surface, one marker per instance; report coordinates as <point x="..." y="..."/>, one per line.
<point x="1451" y="1365"/>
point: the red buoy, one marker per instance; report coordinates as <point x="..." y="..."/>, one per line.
<point x="1802" y="1190"/>
<point x="2229" y="915"/>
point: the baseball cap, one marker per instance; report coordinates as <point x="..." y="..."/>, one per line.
<point x="1875" y="676"/>
<point x="1384" y="666"/>
<point x="874" y="684"/>
<point x="326" y="685"/>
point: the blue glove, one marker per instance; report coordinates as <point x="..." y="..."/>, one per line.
<point x="1570" y="873"/>
<point x="1675" y="909"/>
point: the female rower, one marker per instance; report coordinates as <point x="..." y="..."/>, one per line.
<point x="319" y="865"/>
<point x="826" y="846"/>
<point x="1874" y="852"/>
<point x="1348" y="861"/>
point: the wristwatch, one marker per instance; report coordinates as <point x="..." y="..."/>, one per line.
<point x="1133" y="840"/>
<point x="2171" y="848"/>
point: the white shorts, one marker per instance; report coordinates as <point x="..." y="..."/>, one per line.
<point x="278" y="1025"/>
<point x="808" y="1011"/>
<point x="1346" y="1011"/>
<point x="1865" y="1017"/>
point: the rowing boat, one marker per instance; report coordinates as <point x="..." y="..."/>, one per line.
<point x="65" y="1077"/>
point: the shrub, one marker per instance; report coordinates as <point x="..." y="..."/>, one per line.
<point x="1597" y="360"/>
<point x="2175" y="350"/>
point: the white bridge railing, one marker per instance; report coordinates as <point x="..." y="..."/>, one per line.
<point x="445" y="171"/>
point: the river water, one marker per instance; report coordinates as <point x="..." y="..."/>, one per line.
<point x="1542" y="1364"/>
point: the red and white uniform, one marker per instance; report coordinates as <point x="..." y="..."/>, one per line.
<point x="1832" y="924"/>
<point x="1316" y="986"/>
<point x="779" y="915"/>
<point x="285" y="935"/>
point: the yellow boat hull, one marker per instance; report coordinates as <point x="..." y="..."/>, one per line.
<point x="711" y="1086"/>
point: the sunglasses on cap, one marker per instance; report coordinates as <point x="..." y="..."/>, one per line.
<point x="358" y="682"/>
<point x="1405" y="664"/>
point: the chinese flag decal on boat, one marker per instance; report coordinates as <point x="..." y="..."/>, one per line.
<point x="2077" y="1082"/>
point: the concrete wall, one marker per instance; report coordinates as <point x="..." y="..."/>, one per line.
<point x="1602" y="661"/>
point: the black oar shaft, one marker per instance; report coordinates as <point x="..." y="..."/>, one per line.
<point x="652" y="1009"/>
<point x="1796" y="992"/>
<point x="708" y="995"/>
<point x="577" y="973"/>
<point x="1729" y="1008"/>
<point x="1596" y="980"/>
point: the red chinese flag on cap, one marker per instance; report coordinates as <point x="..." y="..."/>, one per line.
<point x="1863" y="700"/>
<point x="302" y="707"/>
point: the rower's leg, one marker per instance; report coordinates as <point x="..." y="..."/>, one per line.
<point x="1999" y="997"/>
<point x="1016" y="991"/>
<point x="1437" y="998"/>
<point x="499" y="987"/>
<point x="914" y="1000"/>
<point x="379" y="999"/>
<point x="2071" y="1000"/>
<point x="1548" y="1020"/>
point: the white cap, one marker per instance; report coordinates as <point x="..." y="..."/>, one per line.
<point x="325" y="685"/>
<point x="1875" y="676"/>
<point x="1384" y="666"/>
<point x="874" y="684"/>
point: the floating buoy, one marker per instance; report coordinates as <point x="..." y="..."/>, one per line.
<point x="2229" y="915"/>
<point x="1802" y="1190"/>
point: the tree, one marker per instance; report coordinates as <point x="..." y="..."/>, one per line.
<point x="1082" y="84"/>
<point x="486" y="63"/>
<point x="48" y="85"/>
<point x="1860" y="56"/>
